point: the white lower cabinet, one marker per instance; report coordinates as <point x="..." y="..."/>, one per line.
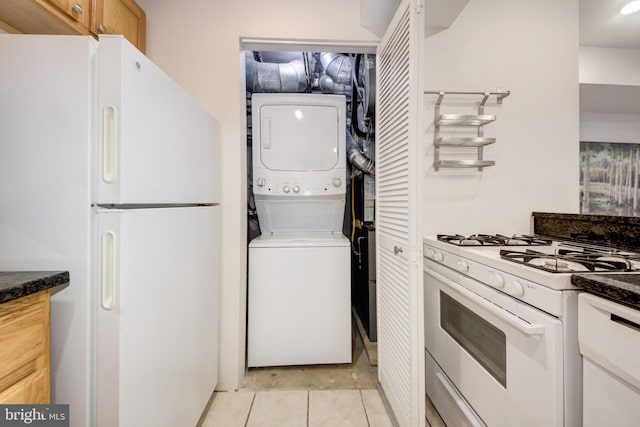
<point x="609" y="337"/>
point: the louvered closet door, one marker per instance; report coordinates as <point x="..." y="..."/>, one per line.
<point x="398" y="218"/>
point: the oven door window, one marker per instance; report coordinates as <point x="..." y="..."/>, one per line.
<point x="483" y="341"/>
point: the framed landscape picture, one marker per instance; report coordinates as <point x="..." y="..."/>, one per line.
<point x="609" y="178"/>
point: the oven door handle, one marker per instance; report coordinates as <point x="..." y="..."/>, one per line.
<point x="526" y="328"/>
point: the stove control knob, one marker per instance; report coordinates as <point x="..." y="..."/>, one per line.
<point x="462" y="266"/>
<point x="296" y="189"/>
<point x="261" y="182"/>
<point x="514" y="288"/>
<point x="434" y="254"/>
<point x="496" y="280"/>
<point x="285" y="188"/>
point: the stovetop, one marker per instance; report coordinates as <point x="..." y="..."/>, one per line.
<point x="550" y="255"/>
<point x="550" y="264"/>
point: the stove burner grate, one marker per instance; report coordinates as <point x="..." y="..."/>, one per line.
<point x="494" y="240"/>
<point x="570" y="261"/>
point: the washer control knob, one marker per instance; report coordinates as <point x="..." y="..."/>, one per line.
<point x="296" y="189"/>
<point x="514" y="288"/>
<point x="462" y="266"/>
<point x="496" y="280"/>
<point x="286" y="189"/>
<point x="261" y="182"/>
<point x="337" y="182"/>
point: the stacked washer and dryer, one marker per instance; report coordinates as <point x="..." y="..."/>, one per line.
<point x="299" y="308"/>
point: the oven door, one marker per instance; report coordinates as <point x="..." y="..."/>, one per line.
<point x="498" y="355"/>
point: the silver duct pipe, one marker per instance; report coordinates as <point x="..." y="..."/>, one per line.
<point x="328" y="85"/>
<point x="279" y="56"/>
<point x="337" y="73"/>
<point x="357" y="157"/>
<point x="270" y="77"/>
<point x="337" y="66"/>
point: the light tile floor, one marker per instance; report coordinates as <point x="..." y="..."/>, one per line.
<point x="359" y="374"/>
<point x="298" y="408"/>
<point x="307" y="396"/>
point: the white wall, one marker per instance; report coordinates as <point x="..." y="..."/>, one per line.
<point x="531" y="49"/>
<point x="605" y="127"/>
<point x="609" y="95"/>
<point x="609" y="66"/>
<point x="375" y="15"/>
<point x="197" y="42"/>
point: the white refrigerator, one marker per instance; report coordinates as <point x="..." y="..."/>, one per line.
<point x="109" y="170"/>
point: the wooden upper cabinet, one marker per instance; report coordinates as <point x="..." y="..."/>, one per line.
<point x="120" y="17"/>
<point x="44" y="17"/>
<point x="78" y="10"/>
<point x="89" y="17"/>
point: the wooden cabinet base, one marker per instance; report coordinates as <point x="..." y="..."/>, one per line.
<point x="25" y="350"/>
<point x="33" y="390"/>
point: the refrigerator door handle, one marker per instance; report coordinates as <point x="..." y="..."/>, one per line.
<point x="109" y="144"/>
<point x="108" y="299"/>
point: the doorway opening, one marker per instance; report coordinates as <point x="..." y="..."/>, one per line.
<point x="348" y="71"/>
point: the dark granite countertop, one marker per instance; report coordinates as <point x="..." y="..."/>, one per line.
<point x="16" y="284"/>
<point x="619" y="287"/>
<point x="620" y="232"/>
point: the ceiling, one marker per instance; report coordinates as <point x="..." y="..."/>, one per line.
<point x="601" y="24"/>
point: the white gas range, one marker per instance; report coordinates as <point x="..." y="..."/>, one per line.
<point x="501" y="327"/>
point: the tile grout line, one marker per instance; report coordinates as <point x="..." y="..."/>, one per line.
<point x="308" y="398"/>
<point x="364" y="406"/>
<point x="253" y="399"/>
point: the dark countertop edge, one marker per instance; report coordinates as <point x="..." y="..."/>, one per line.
<point x="18" y="284"/>
<point x="588" y="217"/>
<point x="607" y="287"/>
<point x="609" y="231"/>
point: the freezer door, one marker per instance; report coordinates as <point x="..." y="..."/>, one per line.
<point x="155" y="143"/>
<point x="157" y="322"/>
